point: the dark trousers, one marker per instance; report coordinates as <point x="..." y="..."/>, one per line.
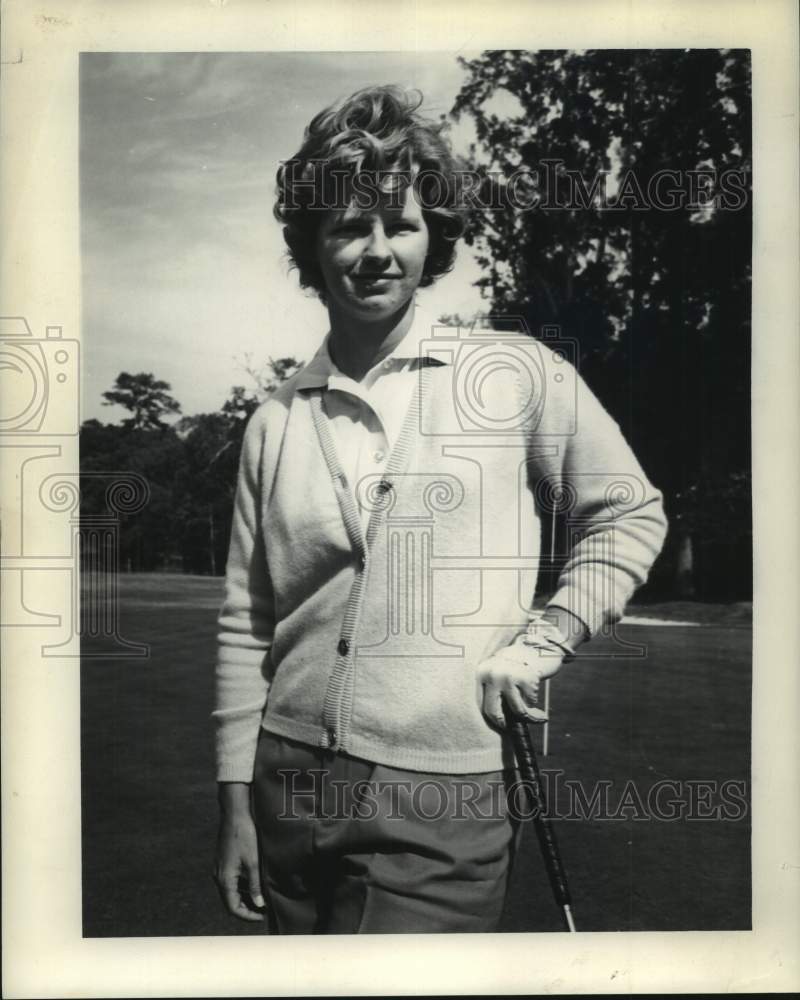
<point x="352" y="847"/>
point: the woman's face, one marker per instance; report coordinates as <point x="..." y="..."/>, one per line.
<point x="372" y="261"/>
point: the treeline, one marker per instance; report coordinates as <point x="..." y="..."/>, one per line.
<point x="190" y="468"/>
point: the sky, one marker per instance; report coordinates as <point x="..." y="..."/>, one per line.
<point x="183" y="266"/>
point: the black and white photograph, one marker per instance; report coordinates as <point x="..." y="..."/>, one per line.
<point x="411" y="557"/>
<point x="492" y="319"/>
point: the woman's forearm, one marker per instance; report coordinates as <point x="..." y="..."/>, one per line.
<point x="233" y="798"/>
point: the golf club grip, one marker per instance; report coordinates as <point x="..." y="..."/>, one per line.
<point x="529" y="772"/>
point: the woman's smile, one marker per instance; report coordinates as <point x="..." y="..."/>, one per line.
<point x="374" y="284"/>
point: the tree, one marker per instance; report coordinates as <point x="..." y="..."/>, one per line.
<point x="190" y="468"/>
<point x="212" y="443"/>
<point x="241" y="404"/>
<point x="204" y="493"/>
<point x="146" y="397"/>
<point x="148" y="538"/>
<point x="269" y="376"/>
<point x="657" y="295"/>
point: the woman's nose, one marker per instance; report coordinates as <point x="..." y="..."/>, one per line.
<point x="378" y="247"/>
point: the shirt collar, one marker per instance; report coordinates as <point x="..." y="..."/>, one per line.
<point x="316" y="373"/>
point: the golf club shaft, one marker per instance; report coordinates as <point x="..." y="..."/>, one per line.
<point x="529" y="772"/>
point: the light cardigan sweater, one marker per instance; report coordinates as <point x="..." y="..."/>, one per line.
<point x="367" y="641"/>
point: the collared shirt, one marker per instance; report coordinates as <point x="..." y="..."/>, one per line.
<point x="367" y="416"/>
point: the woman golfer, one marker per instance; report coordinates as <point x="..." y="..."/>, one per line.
<point x="383" y="560"/>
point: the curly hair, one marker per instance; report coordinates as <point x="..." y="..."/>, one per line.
<point x="376" y="133"/>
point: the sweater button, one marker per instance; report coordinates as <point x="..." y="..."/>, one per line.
<point x="343" y="647"/>
<point x="331" y="736"/>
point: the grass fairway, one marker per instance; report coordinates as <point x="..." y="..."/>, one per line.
<point x="679" y="714"/>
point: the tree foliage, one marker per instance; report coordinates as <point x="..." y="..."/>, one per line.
<point x="654" y="280"/>
<point x="147" y="398"/>
<point x="190" y="469"/>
